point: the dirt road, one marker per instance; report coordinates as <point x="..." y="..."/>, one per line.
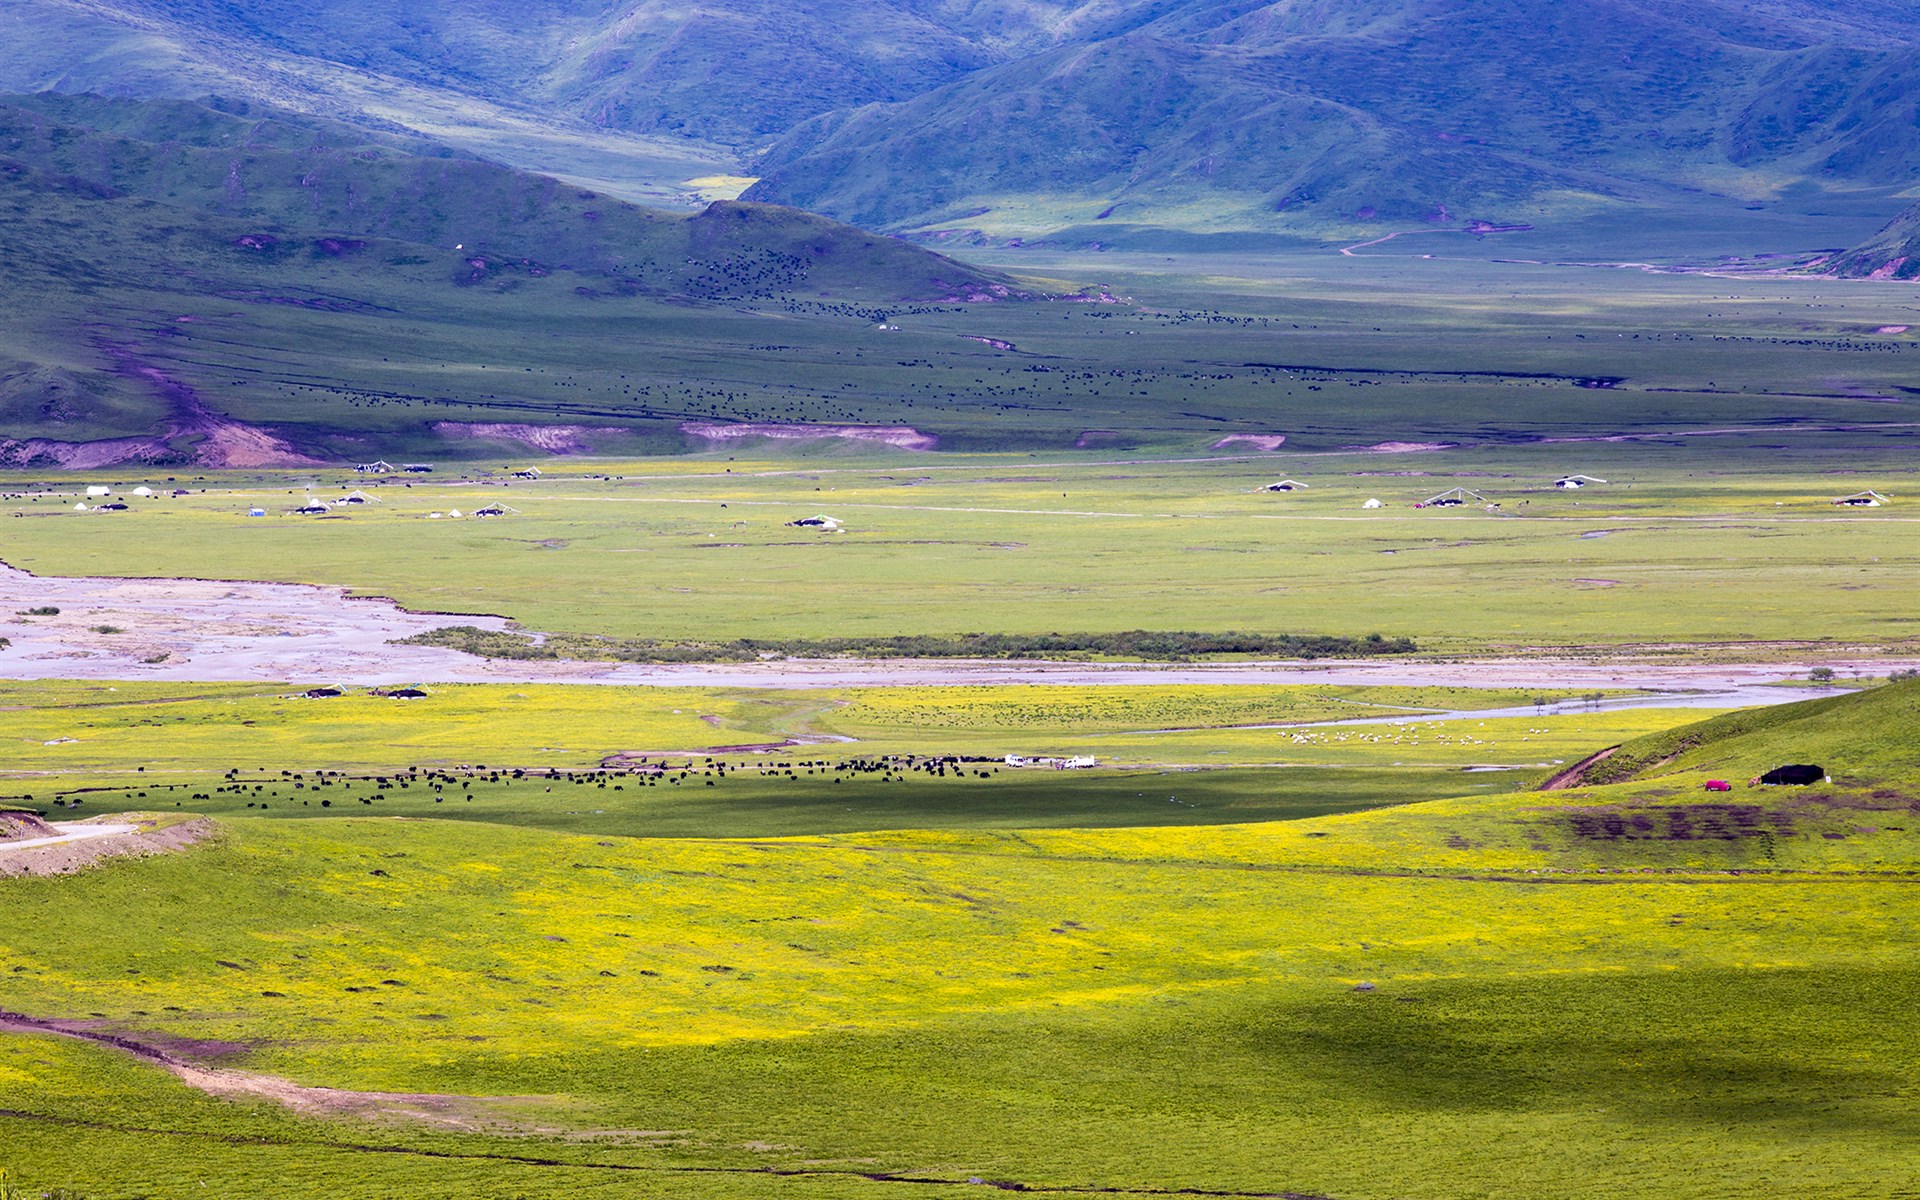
<point x="69" y="832"/>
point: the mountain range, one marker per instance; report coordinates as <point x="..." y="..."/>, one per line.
<point x="1023" y="118"/>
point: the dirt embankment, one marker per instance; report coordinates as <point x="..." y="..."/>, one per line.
<point x="1574" y="775"/>
<point x="1259" y="441"/>
<point x="549" y="439"/>
<point x="61" y="848"/>
<point x="903" y="436"/>
<point x="83" y="456"/>
<point x="219" y="441"/>
<point x="22" y="826"/>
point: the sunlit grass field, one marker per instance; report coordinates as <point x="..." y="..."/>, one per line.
<point x="1631" y="989"/>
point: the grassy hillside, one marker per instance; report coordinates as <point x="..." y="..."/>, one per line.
<point x="290" y="177"/>
<point x="1893" y="253"/>
<point x="137" y="221"/>
<point x="1861" y="738"/>
<point x="1204" y="117"/>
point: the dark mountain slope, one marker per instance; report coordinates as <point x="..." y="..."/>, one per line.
<point x="1330" y="113"/>
<point x="295" y="177"/>
<point x="1033" y="115"/>
<point x="239" y="286"/>
<point x="735" y="71"/>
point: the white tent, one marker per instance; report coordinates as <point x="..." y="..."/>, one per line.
<point x="1371" y="504"/>
<point x="1867" y="499"/>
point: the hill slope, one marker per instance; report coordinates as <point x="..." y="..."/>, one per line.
<point x="134" y="225"/>
<point x="1219" y="116"/>
<point x="1860" y="737"/>
<point x="1893" y="253"/>
<point x="301" y="176"/>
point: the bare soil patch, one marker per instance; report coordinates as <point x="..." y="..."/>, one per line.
<point x="549" y="439"/>
<point x="61" y="848"/>
<point x="1259" y="441"/>
<point x="903" y="436"/>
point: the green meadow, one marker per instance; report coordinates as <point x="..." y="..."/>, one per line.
<point x="1631" y="988"/>
<point x="683" y="762"/>
<point x="1737" y="545"/>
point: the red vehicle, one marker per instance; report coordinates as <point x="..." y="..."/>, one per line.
<point x="1719" y="785"/>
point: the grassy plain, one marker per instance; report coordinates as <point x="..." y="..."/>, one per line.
<point x="1625" y="990"/>
<point x="1679" y="546"/>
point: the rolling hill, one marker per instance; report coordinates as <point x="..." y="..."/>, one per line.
<point x="1863" y="738"/>
<point x="295" y="178"/>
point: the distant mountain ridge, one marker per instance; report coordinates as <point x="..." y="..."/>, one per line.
<point x="1283" y="114"/>
<point x="1023" y="117"/>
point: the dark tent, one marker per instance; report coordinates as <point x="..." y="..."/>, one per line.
<point x="1795" y="776"/>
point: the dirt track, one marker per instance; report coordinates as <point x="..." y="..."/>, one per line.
<point x="73" y="845"/>
<point x="456" y="1111"/>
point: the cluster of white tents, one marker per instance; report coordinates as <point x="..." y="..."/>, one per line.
<point x="1460" y="496"/>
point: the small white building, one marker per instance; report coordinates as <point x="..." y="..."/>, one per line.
<point x="1568" y="483"/>
<point x="143" y="491"/>
<point x="1375" y="503"/>
<point x="1284" y="485"/>
<point x="375" y="468"/>
<point x="97" y="490"/>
